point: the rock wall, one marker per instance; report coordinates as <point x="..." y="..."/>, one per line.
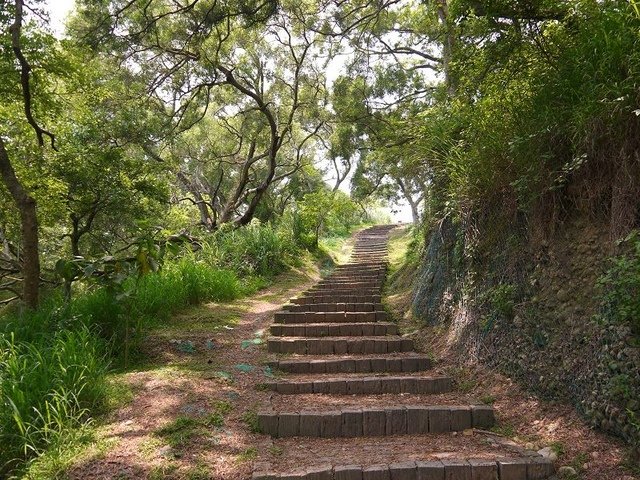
<point x="532" y="312"/>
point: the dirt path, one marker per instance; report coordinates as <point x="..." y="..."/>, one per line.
<point x="192" y="412"/>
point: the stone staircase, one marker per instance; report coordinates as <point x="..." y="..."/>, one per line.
<point x="336" y="343"/>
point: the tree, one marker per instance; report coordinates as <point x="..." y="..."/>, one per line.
<point x="241" y="76"/>
<point x="29" y="257"/>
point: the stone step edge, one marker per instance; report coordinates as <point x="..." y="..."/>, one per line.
<point x="376" y="421"/>
<point x="287" y="317"/>
<point x="363" y="385"/>
<point x="326" y="329"/>
<point x="371" y="364"/>
<point x="524" y="468"/>
<point x="334" y="307"/>
<point x="314" y="300"/>
<point x="339" y="345"/>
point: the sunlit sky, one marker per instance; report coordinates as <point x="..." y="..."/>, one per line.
<point x="59" y="10"/>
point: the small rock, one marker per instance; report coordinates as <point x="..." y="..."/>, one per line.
<point x="567" y="471"/>
<point x="529" y="446"/>
<point x="165" y="451"/>
<point x="468" y="432"/>
<point x="547" y="452"/>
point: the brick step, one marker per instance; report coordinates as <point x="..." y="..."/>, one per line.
<point x="523" y="468"/>
<point x="364" y="385"/>
<point x="371" y="364"/>
<point x="344" y="329"/>
<point x="361" y="269"/>
<point x="325" y="291"/>
<point x="355" y="287"/>
<point x="374" y="422"/>
<point x="335" y="307"/>
<point x="352" y="279"/>
<point x="368" y="263"/>
<point x="314" y="299"/>
<point x="350" y="283"/>
<point x="330" y="284"/>
<point x="379" y="260"/>
<point x="329" y="317"/>
<point x="376" y="273"/>
<point x="338" y="345"/>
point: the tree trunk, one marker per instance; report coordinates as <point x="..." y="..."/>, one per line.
<point x="74" y="236"/>
<point x="447" y="45"/>
<point x="415" y="214"/>
<point x="29" y="226"/>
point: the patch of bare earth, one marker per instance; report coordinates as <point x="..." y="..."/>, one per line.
<point x="192" y="369"/>
<point x="522" y="418"/>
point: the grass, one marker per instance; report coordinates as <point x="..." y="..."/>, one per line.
<point x="504" y="429"/>
<point x="179" y="432"/>
<point x="247" y="455"/>
<point x="210" y="317"/>
<point x="183" y="429"/>
<point x="399" y="241"/>
<point x="199" y="472"/>
<point x="276" y="451"/>
<point x="250" y="418"/>
<point x="161" y="472"/>
<point x="488" y="399"/>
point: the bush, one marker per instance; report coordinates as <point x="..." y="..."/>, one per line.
<point x="257" y="249"/>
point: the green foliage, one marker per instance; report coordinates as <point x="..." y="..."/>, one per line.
<point x="325" y="213"/>
<point x="502" y="299"/>
<point x="620" y="286"/>
<point x="48" y="387"/>
<point x="259" y="249"/>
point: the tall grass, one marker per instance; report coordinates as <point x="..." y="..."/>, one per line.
<point x="48" y="388"/>
<point x="258" y="249"/>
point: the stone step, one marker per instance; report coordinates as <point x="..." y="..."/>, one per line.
<point x="339" y="345"/>
<point x="372" y="274"/>
<point x="370" y="263"/>
<point x="341" y="291"/>
<point x="335" y="307"/>
<point x="364" y="385"/>
<point x="523" y="468"/>
<point x="353" y="278"/>
<point x="329" y="317"/>
<point x="373" y="422"/>
<point x="349" y="284"/>
<point x="313" y="299"/>
<point x="326" y="329"/>
<point x="371" y="364"/>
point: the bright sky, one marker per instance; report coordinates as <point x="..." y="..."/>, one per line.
<point x="59" y="10"/>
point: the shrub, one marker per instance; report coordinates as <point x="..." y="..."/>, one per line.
<point x="257" y="249"/>
<point x="620" y="286"/>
